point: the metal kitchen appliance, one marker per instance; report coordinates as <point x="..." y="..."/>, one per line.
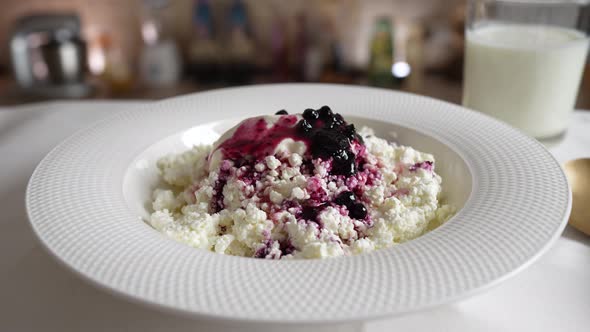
<point x="49" y="55"/>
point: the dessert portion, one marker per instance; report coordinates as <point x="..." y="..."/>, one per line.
<point x="298" y="186"/>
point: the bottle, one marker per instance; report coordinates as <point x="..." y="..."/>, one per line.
<point x="112" y="66"/>
<point x="279" y="50"/>
<point x="240" y="45"/>
<point x="203" y="60"/>
<point x="381" y="56"/>
<point x="300" y="47"/>
<point x="314" y="57"/>
<point x="334" y="71"/>
<point x="160" y="62"/>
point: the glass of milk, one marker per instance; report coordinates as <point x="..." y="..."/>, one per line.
<point x="524" y="61"/>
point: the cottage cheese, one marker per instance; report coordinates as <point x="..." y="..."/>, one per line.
<point x="258" y="210"/>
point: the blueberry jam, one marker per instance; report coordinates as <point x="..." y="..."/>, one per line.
<point x="326" y="134"/>
<point x="217" y="200"/>
<point x="327" y="137"/>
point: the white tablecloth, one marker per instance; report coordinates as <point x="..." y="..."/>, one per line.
<point x="37" y="294"/>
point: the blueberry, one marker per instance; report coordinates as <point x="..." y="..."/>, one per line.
<point x="325" y="113"/>
<point x="340" y="155"/>
<point x="286" y="247"/>
<point x="309" y="213"/>
<point x="310" y="114"/>
<point x="330" y="140"/>
<point x="357" y="211"/>
<point x="326" y="144"/>
<point x="361" y="166"/>
<point x="343" y="167"/>
<point x="350" y="132"/>
<point x="329" y="123"/>
<point x="345" y="198"/>
<point x="304" y="126"/>
<point x="281" y="112"/>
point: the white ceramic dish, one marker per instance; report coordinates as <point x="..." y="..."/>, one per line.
<point x="86" y="199"/>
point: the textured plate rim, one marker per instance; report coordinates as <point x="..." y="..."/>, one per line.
<point x="193" y="313"/>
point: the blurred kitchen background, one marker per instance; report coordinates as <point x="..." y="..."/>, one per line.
<point x="152" y="49"/>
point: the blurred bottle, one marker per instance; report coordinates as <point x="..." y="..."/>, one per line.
<point x="408" y="68"/>
<point x="335" y="61"/>
<point x="203" y="55"/>
<point x="308" y="49"/>
<point x="108" y="62"/>
<point x="279" y="50"/>
<point x="241" y="64"/>
<point x="401" y="68"/>
<point x="160" y="62"/>
<point x="314" y="56"/>
<point x="334" y="71"/>
<point x="300" y="46"/>
<point x="381" y="56"/>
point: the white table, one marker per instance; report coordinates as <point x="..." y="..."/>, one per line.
<point x="37" y="294"/>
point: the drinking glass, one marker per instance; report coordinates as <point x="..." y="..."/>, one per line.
<point x="524" y="61"/>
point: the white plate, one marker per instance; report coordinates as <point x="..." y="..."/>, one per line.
<point x="86" y="198"/>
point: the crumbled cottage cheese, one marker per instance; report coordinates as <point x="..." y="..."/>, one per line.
<point x="284" y="203"/>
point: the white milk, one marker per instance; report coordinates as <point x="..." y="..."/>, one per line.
<point x="525" y="75"/>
